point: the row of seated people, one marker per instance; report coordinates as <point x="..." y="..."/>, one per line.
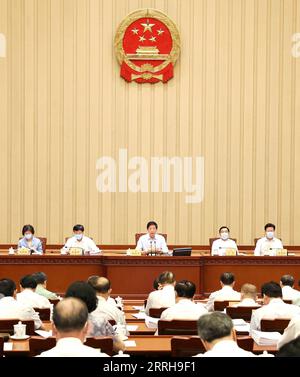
<point x="146" y="242"/>
<point x="177" y="296"/>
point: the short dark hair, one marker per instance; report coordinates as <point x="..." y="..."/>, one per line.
<point x="185" y="288"/>
<point x="271" y="289"/>
<point x="28" y="281"/>
<point x="83" y="291"/>
<point x="224" y="227"/>
<point x="27" y="228"/>
<point x="7" y="287"/>
<point x="290" y="349"/>
<point x="78" y="227"/>
<point x="101" y="285"/>
<point x="227" y="278"/>
<point x="156" y="284"/>
<point x="167" y="277"/>
<point x="214" y="326"/>
<point x="40" y="277"/>
<point x="70" y="314"/>
<point x="270" y="225"/>
<point x="287" y="280"/>
<point x="152" y="223"/>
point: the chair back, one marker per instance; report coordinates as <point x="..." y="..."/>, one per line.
<point x="243" y="312"/>
<point x="288" y="301"/>
<point x="246" y="343"/>
<point x="186" y="346"/>
<point x="156" y="312"/>
<point x="219" y="306"/>
<point x="177" y="327"/>
<point x="104" y="343"/>
<point x="211" y="240"/>
<point x="43" y="313"/>
<point x="139" y="235"/>
<point x="7" y="326"/>
<point x="37" y="344"/>
<point x="278" y="324"/>
<point x="54" y="302"/>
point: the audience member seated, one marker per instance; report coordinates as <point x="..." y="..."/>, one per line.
<point x="165" y="296"/>
<point x="29" y="241"/>
<point x="185" y="307"/>
<point x="273" y="307"/>
<point x="291" y="349"/>
<point x="102" y="288"/>
<point x="29" y="297"/>
<point x="79" y="240"/>
<point x="110" y="300"/>
<point x="218" y="336"/>
<point x="287" y="285"/>
<point x="99" y="326"/>
<point x="10" y="308"/>
<point x="70" y="327"/>
<point x="41" y="288"/>
<point x="291" y="332"/>
<point x="220" y="245"/>
<point x="227" y="292"/>
<point x="248" y="296"/>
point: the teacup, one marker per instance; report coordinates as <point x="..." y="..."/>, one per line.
<point x="20" y="330"/>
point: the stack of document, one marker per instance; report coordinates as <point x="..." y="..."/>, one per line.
<point x="241" y="326"/>
<point x="264" y="338"/>
<point x="140" y="315"/>
<point x="151" y="322"/>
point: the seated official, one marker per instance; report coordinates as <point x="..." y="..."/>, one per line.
<point x="29" y="297"/>
<point x="185" y="307"/>
<point x="104" y="308"/>
<point x="220" y="245"/>
<point x="92" y="280"/>
<point x="165" y="296"/>
<point x="291" y="332"/>
<point x="287" y="283"/>
<point x="29" y="241"/>
<point x="273" y="307"/>
<point x="79" y="240"/>
<point x="10" y="308"/>
<point x="227" y="281"/>
<point x="99" y="325"/>
<point x="152" y="241"/>
<point x="248" y="296"/>
<point x="41" y="288"/>
<point x="218" y="336"/>
<point x="70" y="327"/>
<point x="266" y="244"/>
<point x="291" y="349"/>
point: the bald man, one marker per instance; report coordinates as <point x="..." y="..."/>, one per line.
<point x="70" y="327"/>
<point x="105" y="308"/>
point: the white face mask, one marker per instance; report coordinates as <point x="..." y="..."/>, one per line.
<point x="28" y="236"/>
<point x="270" y="235"/>
<point x="78" y="236"/>
<point x="224" y="236"/>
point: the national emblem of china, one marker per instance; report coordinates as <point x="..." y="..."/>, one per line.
<point x="147" y="45"/>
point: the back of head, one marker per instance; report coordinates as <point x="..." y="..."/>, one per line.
<point x="249" y="291"/>
<point x="70" y="315"/>
<point x="99" y="284"/>
<point x="166" y="277"/>
<point x="7" y="287"/>
<point x="287" y="280"/>
<point x="291" y="349"/>
<point x="28" y="281"/>
<point x="227" y="278"/>
<point x="84" y="292"/>
<point x="185" y="288"/>
<point x="156" y="284"/>
<point x="214" y="326"/>
<point x="272" y="290"/>
<point x="40" y="277"/>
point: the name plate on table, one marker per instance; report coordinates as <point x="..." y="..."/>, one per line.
<point x="280" y="252"/>
<point x="23" y="251"/>
<point x="230" y="252"/>
<point x="76" y="251"/>
<point x="134" y="252"/>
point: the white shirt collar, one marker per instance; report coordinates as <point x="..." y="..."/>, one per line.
<point x="276" y="301"/>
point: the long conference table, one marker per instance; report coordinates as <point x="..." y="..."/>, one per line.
<point x="132" y="276"/>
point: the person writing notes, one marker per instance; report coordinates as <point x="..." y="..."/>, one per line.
<point x="223" y="243"/>
<point x="152" y="241"/>
<point x="80" y="241"/>
<point x="29" y="241"/>
<point x="266" y="245"/>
